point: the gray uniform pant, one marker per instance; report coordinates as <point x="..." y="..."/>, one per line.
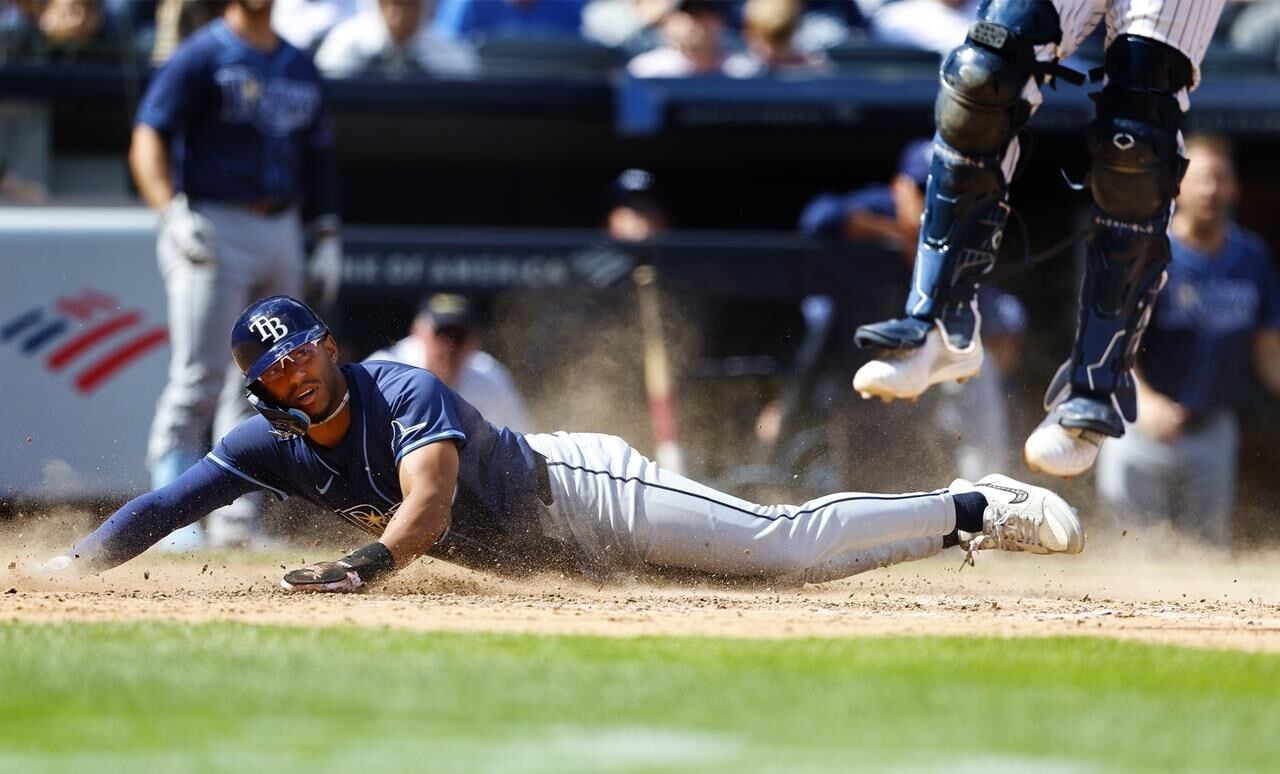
<point x="205" y="397"/>
<point x="625" y="512"/>
<point x="1190" y="484"/>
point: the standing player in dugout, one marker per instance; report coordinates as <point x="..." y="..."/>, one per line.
<point x="990" y="89"/>
<point x="391" y="449"/>
<point x="231" y="141"/>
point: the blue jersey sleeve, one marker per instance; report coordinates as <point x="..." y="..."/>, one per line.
<point x="422" y="412"/>
<point x="173" y="91"/>
<point x="145" y="520"/>
<point x="251" y="453"/>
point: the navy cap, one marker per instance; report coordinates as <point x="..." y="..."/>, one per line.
<point x="636" y="188"/>
<point x="915" y="161"/>
<point x="448" y="310"/>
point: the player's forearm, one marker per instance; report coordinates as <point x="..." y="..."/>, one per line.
<point x="145" y="520"/>
<point x="138" y="525"/>
<point x="419" y="523"/>
<point x="149" y="163"/>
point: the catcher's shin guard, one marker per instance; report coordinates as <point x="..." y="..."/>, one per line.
<point x="1134" y="179"/>
<point x="980" y="109"/>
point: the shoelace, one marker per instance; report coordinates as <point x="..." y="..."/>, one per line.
<point x="1008" y="528"/>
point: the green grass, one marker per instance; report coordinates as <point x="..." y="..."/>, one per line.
<point x="163" y="697"/>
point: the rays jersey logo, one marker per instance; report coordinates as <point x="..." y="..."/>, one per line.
<point x="368" y="517"/>
<point x="399" y="432"/>
<point x="276" y="107"/>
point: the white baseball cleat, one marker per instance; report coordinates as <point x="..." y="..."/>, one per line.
<point x="906" y="373"/>
<point x="1021" y="517"/>
<point x="1061" y="451"/>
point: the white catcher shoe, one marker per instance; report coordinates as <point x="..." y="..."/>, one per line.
<point x="1021" y="517"/>
<point x="1061" y="451"/>
<point x="906" y="373"/>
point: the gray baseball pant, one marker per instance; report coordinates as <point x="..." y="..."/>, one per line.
<point x="625" y="513"/>
<point x="204" y="398"/>
<point x="1190" y="484"/>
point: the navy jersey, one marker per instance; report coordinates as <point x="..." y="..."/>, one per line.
<point x="1198" y="347"/>
<point x="394" y="409"/>
<point x="243" y="125"/>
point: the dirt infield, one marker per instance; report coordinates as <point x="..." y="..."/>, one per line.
<point x="1147" y="588"/>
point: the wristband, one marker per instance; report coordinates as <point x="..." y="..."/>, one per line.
<point x="370" y="562"/>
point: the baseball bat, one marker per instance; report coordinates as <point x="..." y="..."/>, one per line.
<point x="657" y="372"/>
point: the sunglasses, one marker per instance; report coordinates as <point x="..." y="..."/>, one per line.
<point x="298" y="357"/>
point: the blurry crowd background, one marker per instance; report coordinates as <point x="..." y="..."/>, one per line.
<point x="794" y="420"/>
<point x="455" y="38"/>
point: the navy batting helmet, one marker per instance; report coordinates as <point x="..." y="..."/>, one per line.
<point x="270" y="329"/>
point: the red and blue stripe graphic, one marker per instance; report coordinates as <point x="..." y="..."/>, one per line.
<point x="88" y="335"/>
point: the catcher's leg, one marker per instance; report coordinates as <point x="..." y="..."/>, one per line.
<point x="989" y="88"/>
<point x="1134" y="142"/>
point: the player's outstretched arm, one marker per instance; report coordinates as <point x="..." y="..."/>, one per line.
<point x="428" y="478"/>
<point x="145" y="520"/>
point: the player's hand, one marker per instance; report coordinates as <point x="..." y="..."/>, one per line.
<point x="322" y="576"/>
<point x="190" y="233"/>
<point x="324" y="270"/>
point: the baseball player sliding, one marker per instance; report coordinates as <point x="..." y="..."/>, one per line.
<point x="990" y="88"/>
<point x="394" y="451"/>
<point x="231" y="138"/>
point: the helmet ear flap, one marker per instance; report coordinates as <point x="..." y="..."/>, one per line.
<point x="285" y="423"/>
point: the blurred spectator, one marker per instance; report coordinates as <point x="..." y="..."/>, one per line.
<point x="1219" y="312"/>
<point x="636" y="211"/>
<point x="626" y="25"/>
<point x="693" y="33"/>
<point x="828" y="23"/>
<point x="392" y="40"/>
<point x="891" y="214"/>
<point x="17" y="24"/>
<point x="445" y="339"/>
<point x="60" y="31"/>
<point x="71" y="22"/>
<point x="635" y="214"/>
<point x="934" y="25"/>
<point x="177" y="19"/>
<point x="304" y="23"/>
<point x="462" y="19"/>
<point x="17" y="190"/>
<point x="769" y="28"/>
<point x="1256" y="29"/>
<point x="133" y="22"/>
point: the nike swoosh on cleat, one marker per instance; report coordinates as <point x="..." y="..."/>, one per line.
<point x="1019" y="495"/>
<point x="325" y="488"/>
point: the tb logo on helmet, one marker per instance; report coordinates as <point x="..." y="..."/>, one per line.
<point x="269" y="328"/>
